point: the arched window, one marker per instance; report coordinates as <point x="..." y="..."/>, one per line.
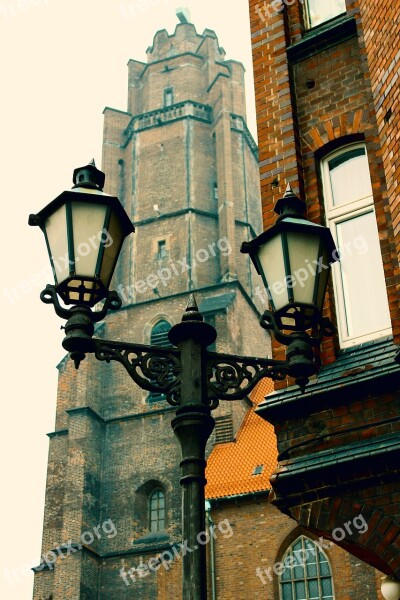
<point x="159" y="337"/>
<point x="306" y="573"/>
<point x="157" y="510"/>
<point x="358" y="278"/>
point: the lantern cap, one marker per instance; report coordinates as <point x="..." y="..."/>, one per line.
<point x="290" y="205"/>
<point x="89" y="176"/>
<point x="87" y="189"/>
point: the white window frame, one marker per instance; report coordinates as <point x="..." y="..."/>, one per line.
<point x="308" y="19"/>
<point x="335" y="215"/>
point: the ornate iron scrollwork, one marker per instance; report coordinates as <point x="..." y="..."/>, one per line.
<point x="153" y="369"/>
<point x="158" y="370"/>
<point x="233" y="377"/>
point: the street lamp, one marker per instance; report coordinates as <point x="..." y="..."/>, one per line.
<point x="192" y="378"/>
<point x="293" y="258"/>
<point x="84" y="230"/>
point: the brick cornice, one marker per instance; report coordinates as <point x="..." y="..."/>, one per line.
<point x="336" y="471"/>
<point x="80" y="410"/>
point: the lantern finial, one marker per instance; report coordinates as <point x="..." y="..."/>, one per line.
<point x="192" y="311"/>
<point x="290" y="205"/>
<point x="289" y="191"/>
<point x="89" y="176"/>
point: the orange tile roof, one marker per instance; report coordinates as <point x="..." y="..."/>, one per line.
<point x="230" y="466"/>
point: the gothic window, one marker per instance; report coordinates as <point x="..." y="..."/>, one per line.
<point x="358" y="278"/>
<point x="319" y="11"/>
<point x="305" y="573"/>
<point x="157" y="510"/>
<point x="168" y="97"/>
<point x="159" y="337"/>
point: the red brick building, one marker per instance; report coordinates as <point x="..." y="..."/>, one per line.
<point x="327" y="95"/>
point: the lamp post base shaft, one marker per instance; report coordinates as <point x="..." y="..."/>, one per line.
<point x="193" y="426"/>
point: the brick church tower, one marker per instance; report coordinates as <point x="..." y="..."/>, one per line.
<point x="185" y="167"/>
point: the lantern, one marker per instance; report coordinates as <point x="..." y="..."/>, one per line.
<point x="84" y="230"/>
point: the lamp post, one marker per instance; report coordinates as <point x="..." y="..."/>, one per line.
<point x="192" y="378"/>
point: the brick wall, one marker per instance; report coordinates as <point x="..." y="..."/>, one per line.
<point x="309" y="101"/>
<point x="312" y="104"/>
<point x="261" y="536"/>
<point x="379" y="31"/>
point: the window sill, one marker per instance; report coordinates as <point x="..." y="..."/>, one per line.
<point x="365" y="339"/>
<point x="322" y="37"/>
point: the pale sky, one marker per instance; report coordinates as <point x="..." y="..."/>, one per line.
<point x="63" y="61"/>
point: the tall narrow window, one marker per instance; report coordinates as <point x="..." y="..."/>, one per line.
<point x="157" y="510"/>
<point x="162" y="250"/>
<point x="159" y="337"/>
<point x="359" y="282"/>
<point x="215" y="191"/>
<point x="307" y="573"/>
<point x="168" y="97"/>
<point x="319" y="11"/>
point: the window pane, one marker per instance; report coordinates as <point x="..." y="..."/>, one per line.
<point x="287" y="591"/>
<point x="300" y="590"/>
<point x="326" y="585"/>
<point x="324" y="568"/>
<point x="313" y="589"/>
<point x="349" y="174"/>
<point x="286" y="575"/>
<point x="323" y="10"/>
<point x="297" y="546"/>
<point x="298" y="572"/>
<point x="362" y="276"/>
<point x="311" y="568"/>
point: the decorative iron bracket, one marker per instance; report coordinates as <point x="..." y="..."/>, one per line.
<point x="153" y="369"/>
<point x="158" y="370"/>
<point x="233" y="377"/>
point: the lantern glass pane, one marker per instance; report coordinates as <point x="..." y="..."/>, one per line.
<point x="112" y="240"/>
<point x="90" y="286"/>
<point x="303" y="251"/>
<point x="88" y="224"/>
<point x="323" y="280"/>
<point x="272" y="264"/>
<point x="56" y="230"/>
